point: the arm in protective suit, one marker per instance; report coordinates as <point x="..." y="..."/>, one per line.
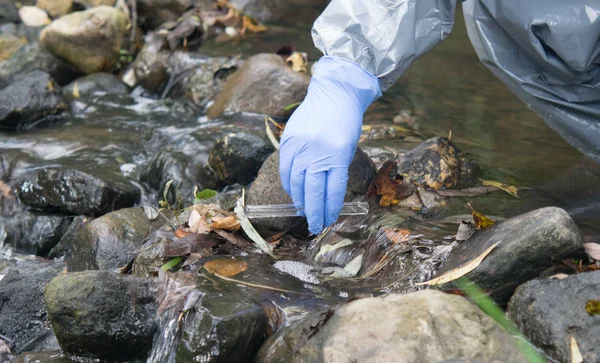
<point x="545" y="51"/>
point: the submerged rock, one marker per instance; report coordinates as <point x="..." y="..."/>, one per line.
<point x="23" y="318"/>
<point x="9" y="13"/>
<point x="550" y="311"/>
<point x="267" y="189"/>
<point x="424" y="326"/>
<point x="151" y="66"/>
<point x="529" y="244"/>
<point x="185" y="171"/>
<point x="102" y="315"/>
<point x="111" y="241"/>
<point x="438" y="164"/>
<point x="90" y="39"/>
<point x="33" y="57"/>
<point x="96" y="83"/>
<point x="9" y="44"/>
<point x="33" y="233"/>
<point x="264" y="84"/>
<point x="76" y="192"/>
<point x="237" y="157"/>
<point x="33" y="100"/>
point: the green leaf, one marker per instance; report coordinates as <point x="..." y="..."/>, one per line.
<point x="197" y="18"/>
<point x="171" y="263"/>
<point x="206" y="194"/>
<point x="292" y="106"/>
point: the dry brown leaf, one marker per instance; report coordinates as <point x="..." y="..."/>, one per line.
<point x="460" y="271"/>
<point x="198" y="223"/>
<point x="397" y="235"/>
<point x="481" y="220"/>
<point x="576" y="356"/>
<point x="592" y="249"/>
<point x="234" y="239"/>
<point x="229" y="223"/>
<point x="180" y="233"/>
<point x="226" y="267"/>
<point x="510" y="189"/>
<point x="391" y="186"/>
<point x="252" y="25"/>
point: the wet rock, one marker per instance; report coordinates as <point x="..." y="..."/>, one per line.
<point x="90" y="39"/>
<point x="264" y="84"/>
<point x="151" y="66"/>
<point x="102" y="315"/>
<point x="9" y="13"/>
<point x="437" y="163"/>
<point x="32" y="57"/>
<point x="529" y="244"/>
<point x="23" y="317"/>
<point x="31" y="101"/>
<point x="267" y="189"/>
<point x="94" y="3"/>
<point x="153" y="13"/>
<point x="32" y="233"/>
<point x="111" y="241"/>
<point x="46" y="357"/>
<point x="97" y="83"/>
<point x="68" y="238"/>
<point x="185" y="171"/>
<point x="55" y="8"/>
<point x="76" y="192"/>
<point x="9" y="44"/>
<point x="237" y="157"/>
<point x="424" y="326"/>
<point x="550" y="311"/>
<point x="274" y="10"/>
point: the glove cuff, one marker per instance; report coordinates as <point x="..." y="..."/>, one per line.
<point x="350" y="77"/>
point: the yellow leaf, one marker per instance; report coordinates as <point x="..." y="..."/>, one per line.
<point x="226" y="267"/>
<point x="230" y="223"/>
<point x="575" y="352"/>
<point x="252" y="25"/>
<point x="460" y="271"/>
<point x="510" y="189"/>
<point x="76" y="93"/>
<point x="481" y="220"/>
<point x="592" y="307"/>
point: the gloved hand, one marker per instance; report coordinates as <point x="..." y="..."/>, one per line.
<point x="321" y="136"/>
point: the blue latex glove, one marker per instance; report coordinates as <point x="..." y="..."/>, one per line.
<point x="321" y="136"/>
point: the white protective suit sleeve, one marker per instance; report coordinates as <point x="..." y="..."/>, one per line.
<point x="546" y="51"/>
<point x="383" y="37"/>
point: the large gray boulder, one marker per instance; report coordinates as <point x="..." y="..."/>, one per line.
<point x="551" y="311"/>
<point x="90" y="39"/>
<point x="529" y="244"/>
<point x="424" y="326"/>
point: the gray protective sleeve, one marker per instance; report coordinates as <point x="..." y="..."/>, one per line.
<point x="384" y="37"/>
<point x="548" y="53"/>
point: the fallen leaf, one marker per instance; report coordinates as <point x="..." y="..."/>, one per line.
<point x="226" y="267"/>
<point x="180" y="233"/>
<point x="205" y="194"/>
<point x="229" y="223"/>
<point x="171" y="263"/>
<point x="510" y="189"/>
<point x="34" y="16"/>
<point x="329" y="247"/>
<point x="593" y="250"/>
<point x="76" y="93"/>
<point x="193" y="243"/>
<point x="558" y="276"/>
<point x="252" y="25"/>
<point x="50" y="86"/>
<point x="150" y="212"/>
<point x="465" y="231"/>
<point x="397" y="235"/>
<point x="198" y="222"/>
<point x="593" y="307"/>
<point x="354" y="266"/>
<point x="232" y="238"/>
<point x="576" y="356"/>
<point x="298" y="62"/>
<point x="460" y="271"/>
<point x="391" y="186"/>
<point x="480" y="220"/>
<point x="271" y="136"/>
<point x="249" y="229"/>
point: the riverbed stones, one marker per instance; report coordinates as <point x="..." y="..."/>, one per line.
<point x="9" y="13"/>
<point x="34" y="100"/>
<point x="551" y="311"/>
<point x="438" y="164"/>
<point x="90" y="39"/>
<point x="34" y="233"/>
<point x="237" y="157"/>
<point x="274" y="10"/>
<point x="102" y="315"/>
<point x="76" y="192"/>
<point x="33" y="57"/>
<point x="153" y="13"/>
<point x="23" y="318"/>
<point x="423" y="326"/>
<point x="9" y="44"/>
<point x="94" y="3"/>
<point x="264" y="84"/>
<point x="529" y="244"/>
<point x="111" y="241"/>
<point x="267" y="189"/>
<point x="55" y="8"/>
<point x="96" y="83"/>
<point x="151" y="65"/>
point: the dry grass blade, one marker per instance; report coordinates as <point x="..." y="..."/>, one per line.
<point x="510" y="189"/>
<point x="460" y="271"/>
<point x="271" y="135"/>
<point x="249" y="229"/>
<point x="576" y="356"/>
